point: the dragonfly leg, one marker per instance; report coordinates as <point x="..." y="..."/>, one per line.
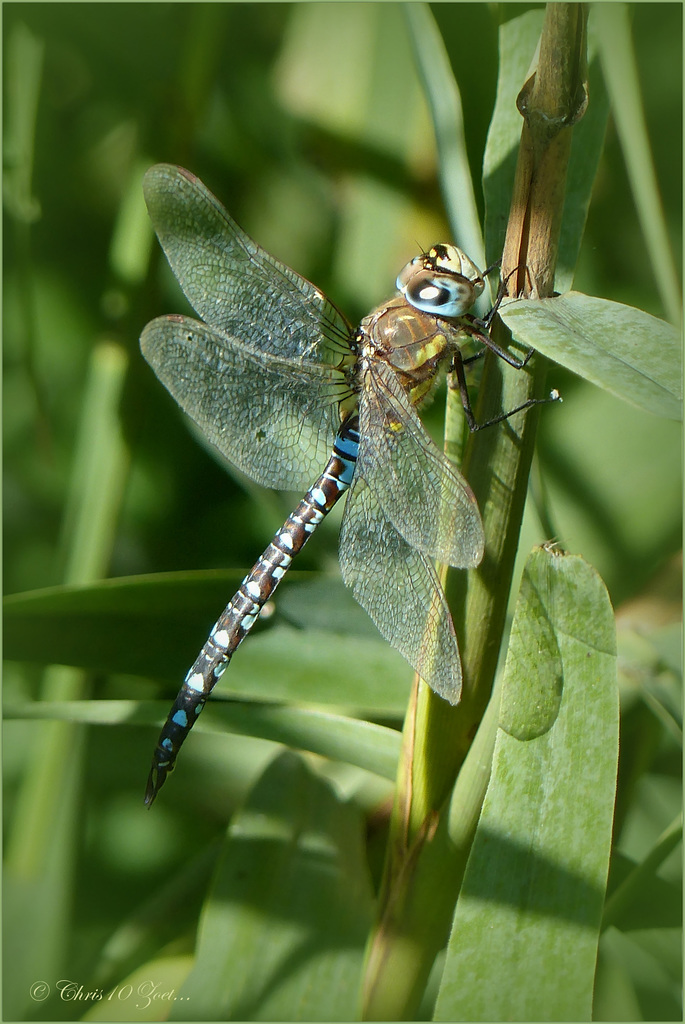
<point x="485" y="322"/>
<point x="474" y="358"/>
<point x="458" y="370"/>
<point x="479" y="330"/>
<point x="493" y="266"/>
<point x="473" y="329"/>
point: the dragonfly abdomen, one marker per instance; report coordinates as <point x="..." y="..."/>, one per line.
<point x="242" y="611"/>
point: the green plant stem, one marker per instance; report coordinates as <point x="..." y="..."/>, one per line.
<point x="424" y="864"/>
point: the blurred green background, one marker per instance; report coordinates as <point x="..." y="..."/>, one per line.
<point x="308" y="122"/>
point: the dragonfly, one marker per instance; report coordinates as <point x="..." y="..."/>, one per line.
<point x="282" y="385"/>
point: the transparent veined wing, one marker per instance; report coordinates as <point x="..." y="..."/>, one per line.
<point x="418" y="488"/>
<point x="399" y="589"/>
<point x="231" y="282"/>
<point x="272" y="417"/>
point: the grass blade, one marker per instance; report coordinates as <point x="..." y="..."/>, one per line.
<point x="442" y="93"/>
<point x="374" y="748"/>
<point x="620" y="72"/>
<point x="41" y="843"/>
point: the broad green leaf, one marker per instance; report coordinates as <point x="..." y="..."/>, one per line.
<point x="622" y="349"/>
<point x="154" y="626"/>
<point x="354" y="741"/>
<point x="525" y="933"/>
<point x="283" y="932"/>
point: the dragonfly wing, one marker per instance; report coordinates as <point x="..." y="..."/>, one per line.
<point x="231" y="282"/>
<point x="398" y="587"/>
<point x="419" y="489"/>
<point x="273" y="418"/>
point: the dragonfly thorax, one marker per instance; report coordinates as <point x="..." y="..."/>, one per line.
<point x="442" y="281"/>
<point x="415" y="344"/>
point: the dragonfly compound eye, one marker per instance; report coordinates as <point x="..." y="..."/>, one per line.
<point x="443" y="281"/>
<point x="448" y="295"/>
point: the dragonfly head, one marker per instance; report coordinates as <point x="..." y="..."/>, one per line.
<point x="442" y="281"/>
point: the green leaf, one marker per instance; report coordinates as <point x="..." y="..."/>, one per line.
<point x="622" y="349"/>
<point x="283" y="932"/>
<point x="153" y="626"/>
<point x="372" y="747"/>
<point x="525" y="933"/>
